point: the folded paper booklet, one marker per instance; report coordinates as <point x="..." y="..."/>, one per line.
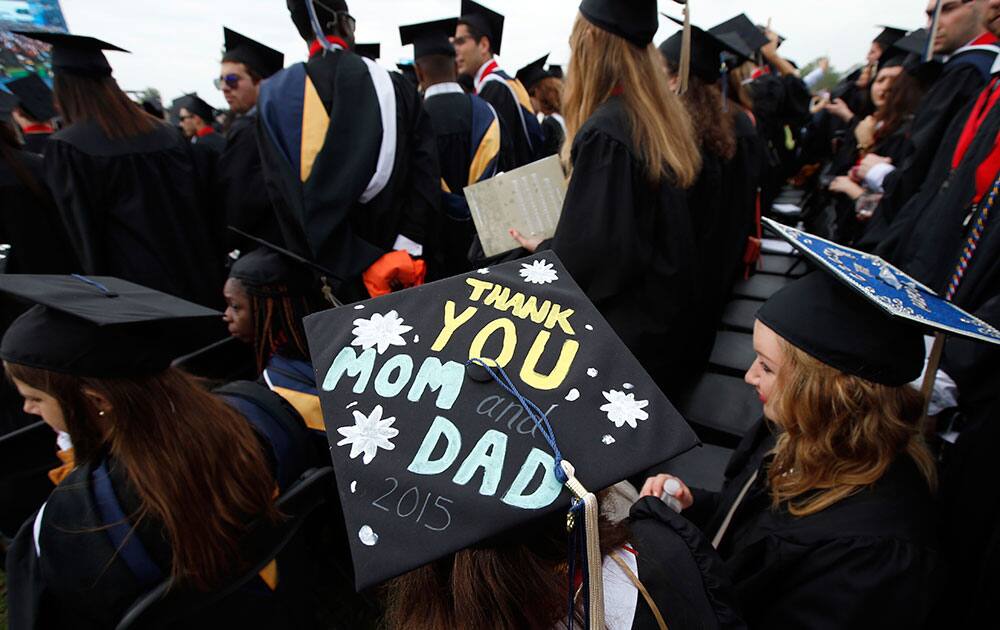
<point x="528" y="199"/>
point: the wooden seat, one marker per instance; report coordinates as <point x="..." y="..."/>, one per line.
<point x="760" y="287"/>
<point x="739" y="315"/>
<point x="723" y="405"/>
<point x="732" y="353"/>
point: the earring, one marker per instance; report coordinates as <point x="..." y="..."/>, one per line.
<point x="100" y="413"/>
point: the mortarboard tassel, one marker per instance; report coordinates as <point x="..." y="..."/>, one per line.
<point x="685" y="48"/>
<point x="564" y="471"/>
<point x="318" y="28"/>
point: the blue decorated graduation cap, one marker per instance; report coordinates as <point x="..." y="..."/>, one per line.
<point x="432" y="454"/>
<point x="886" y="287"/>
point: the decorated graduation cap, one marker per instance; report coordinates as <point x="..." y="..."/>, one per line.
<point x="488" y="22"/>
<point x="262" y="59"/>
<point x="196" y="105"/>
<point x="34" y="97"/>
<point x="76" y="54"/>
<point x="96" y="326"/>
<point x="434" y="452"/>
<point x="889" y="36"/>
<point x="370" y="51"/>
<point x="744" y="29"/>
<point x="862" y="315"/>
<point x="635" y="20"/>
<point x="430" y="38"/>
<point x="534" y="72"/>
<point x="708" y="52"/>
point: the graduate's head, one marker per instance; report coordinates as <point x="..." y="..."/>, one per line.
<point x="881" y="87"/>
<point x="472" y="48"/>
<point x="833" y="372"/>
<point x="434" y="69"/>
<point x="604" y="64"/>
<point x="333" y="15"/>
<point x="991" y="17"/>
<point x="99" y="100"/>
<point x="961" y="21"/>
<point x="240" y="86"/>
<point x="546" y="96"/>
<point x="278" y="295"/>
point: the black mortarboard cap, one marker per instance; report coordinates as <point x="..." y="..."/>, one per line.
<point x="889" y="36"/>
<point x="635" y="20"/>
<point x="196" y="105"/>
<point x="262" y="59"/>
<point x="556" y="70"/>
<point x="486" y="21"/>
<point x="745" y="29"/>
<point x="433" y="455"/>
<point x="907" y="51"/>
<point x="707" y="52"/>
<point x="273" y="269"/>
<point x="7" y="104"/>
<point x="96" y="326"/>
<point x="430" y="38"/>
<point x="369" y="51"/>
<point x="861" y="314"/>
<point x="534" y="72"/>
<point x="34" y="97"/>
<point x="829" y="322"/>
<point x="326" y="11"/>
<point x="76" y="54"/>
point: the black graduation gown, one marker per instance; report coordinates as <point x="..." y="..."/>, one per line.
<point x="214" y="141"/>
<point x="867" y="561"/>
<point x="72" y="575"/>
<point x="681" y="571"/>
<point x="30" y="222"/>
<point x="781" y="107"/>
<point x="554" y="137"/>
<point x="323" y="218"/>
<point x="138" y="209"/>
<point x="241" y="188"/>
<point x="630" y="245"/>
<point x="960" y="81"/>
<point x="741" y="178"/>
<point x="452" y="231"/>
<point x="706" y="201"/>
<point x="35" y="142"/>
<point x="927" y="238"/>
<point x="518" y="149"/>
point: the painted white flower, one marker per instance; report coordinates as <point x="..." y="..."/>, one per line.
<point x="381" y="331"/>
<point x="623" y="408"/>
<point x="538" y="272"/>
<point x="369" y="434"/>
<point x="484" y="270"/>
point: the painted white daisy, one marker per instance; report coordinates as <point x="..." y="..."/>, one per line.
<point x="381" y="331"/>
<point x="484" y="270"/>
<point x="369" y="434"/>
<point x="538" y="272"/>
<point x="623" y="408"/>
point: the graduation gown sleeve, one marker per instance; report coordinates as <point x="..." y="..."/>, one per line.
<point x="517" y="151"/>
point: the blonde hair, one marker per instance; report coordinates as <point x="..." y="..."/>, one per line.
<point x="661" y="128"/>
<point x="841" y="433"/>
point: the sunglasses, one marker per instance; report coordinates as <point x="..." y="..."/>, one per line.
<point x="231" y="80"/>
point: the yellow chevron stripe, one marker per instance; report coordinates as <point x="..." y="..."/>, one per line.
<point x="488" y="149"/>
<point x="315" y="122"/>
<point x="522" y="95"/>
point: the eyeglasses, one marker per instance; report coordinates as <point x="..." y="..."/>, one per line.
<point x="231" y="80"/>
<point x="350" y="18"/>
<point x="460" y="40"/>
<point x="183" y="118"/>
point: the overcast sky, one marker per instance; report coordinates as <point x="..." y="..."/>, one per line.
<point x="176" y="45"/>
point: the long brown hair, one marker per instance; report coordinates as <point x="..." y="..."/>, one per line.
<point x="100" y="100"/>
<point x="548" y="93"/>
<point x="602" y="63"/>
<point x="195" y="463"/>
<point x="840" y="433"/>
<point x="714" y="128"/>
<point x="518" y="580"/>
<point x="905" y="94"/>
